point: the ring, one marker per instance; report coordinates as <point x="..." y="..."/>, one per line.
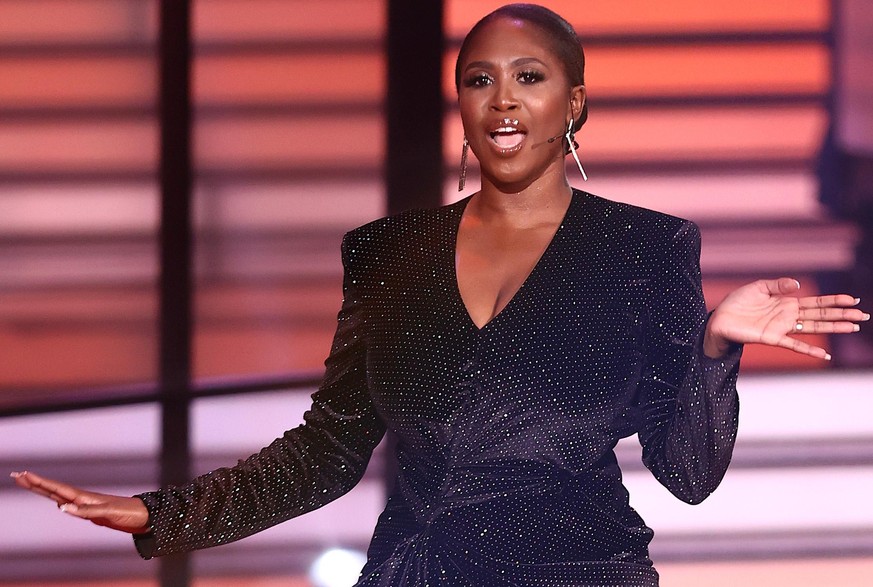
<point x="798" y="327"/>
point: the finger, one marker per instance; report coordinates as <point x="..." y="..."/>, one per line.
<point x="834" y="314"/>
<point x="23" y="480"/>
<point x="59" y="492"/>
<point x="20" y="479"/>
<point x="86" y="511"/>
<point x="825" y="327"/>
<point x="110" y="516"/>
<point x="829" y="301"/>
<point x="781" y="286"/>
<point x="52" y="487"/>
<point x="30" y="481"/>
<point x="799" y="346"/>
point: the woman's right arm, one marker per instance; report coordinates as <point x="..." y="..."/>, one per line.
<point x="306" y="468"/>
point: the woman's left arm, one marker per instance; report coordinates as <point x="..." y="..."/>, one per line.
<point x="687" y="401"/>
<point x="687" y="405"/>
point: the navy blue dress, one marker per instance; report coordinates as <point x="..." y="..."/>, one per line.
<point x="505" y="433"/>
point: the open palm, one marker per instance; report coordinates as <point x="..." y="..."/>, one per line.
<point x="766" y="312"/>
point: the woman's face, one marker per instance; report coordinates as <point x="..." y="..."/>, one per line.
<point x="514" y="96"/>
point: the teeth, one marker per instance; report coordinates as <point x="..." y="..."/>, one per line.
<point x="508" y="136"/>
<point x="509" y="126"/>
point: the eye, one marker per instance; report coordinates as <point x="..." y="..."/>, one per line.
<point x="530" y="76"/>
<point x="478" y="80"/>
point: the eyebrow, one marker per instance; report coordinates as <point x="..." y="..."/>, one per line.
<point x="516" y="63"/>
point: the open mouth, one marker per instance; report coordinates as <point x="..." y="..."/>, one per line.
<point x="507" y="136"/>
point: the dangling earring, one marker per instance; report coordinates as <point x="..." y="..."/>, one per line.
<point x="462" y="180"/>
<point x="572" y="146"/>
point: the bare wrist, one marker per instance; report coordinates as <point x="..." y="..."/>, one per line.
<point x="714" y="345"/>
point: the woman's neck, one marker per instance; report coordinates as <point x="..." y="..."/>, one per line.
<point x="543" y="201"/>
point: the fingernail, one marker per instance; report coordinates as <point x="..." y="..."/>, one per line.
<point x="856" y="328"/>
<point x="798" y="283"/>
<point x="857" y="301"/>
<point x="865" y="317"/>
<point x="827" y="357"/>
<point x="68" y="508"/>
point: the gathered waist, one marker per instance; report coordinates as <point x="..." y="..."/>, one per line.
<point x="457" y="487"/>
<point x="523" y="515"/>
<point x="502" y="544"/>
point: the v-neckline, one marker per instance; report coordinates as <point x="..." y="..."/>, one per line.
<point x="456" y="226"/>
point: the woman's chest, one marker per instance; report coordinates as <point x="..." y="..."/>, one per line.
<point x="564" y="355"/>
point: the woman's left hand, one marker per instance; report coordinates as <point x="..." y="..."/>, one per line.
<point x="766" y="312"/>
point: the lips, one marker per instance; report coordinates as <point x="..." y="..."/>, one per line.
<point x="507" y="135"/>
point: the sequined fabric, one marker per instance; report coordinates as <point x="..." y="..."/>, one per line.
<point x="505" y="433"/>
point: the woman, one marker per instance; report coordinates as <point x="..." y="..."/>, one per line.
<point x="508" y="341"/>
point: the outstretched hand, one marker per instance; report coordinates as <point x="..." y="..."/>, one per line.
<point x="766" y="312"/>
<point x="126" y="514"/>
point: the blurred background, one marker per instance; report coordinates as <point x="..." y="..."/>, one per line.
<point x="169" y="253"/>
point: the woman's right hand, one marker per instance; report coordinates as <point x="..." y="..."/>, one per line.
<point x="126" y="514"/>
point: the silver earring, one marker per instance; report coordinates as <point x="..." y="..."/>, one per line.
<point x="571" y="143"/>
<point x="462" y="179"/>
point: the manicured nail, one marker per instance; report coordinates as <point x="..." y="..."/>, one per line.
<point x="857" y="301"/>
<point x="865" y="317"/>
<point x="827" y="357"/>
<point x="68" y="508"/>
<point x="15" y="474"/>
<point x="856" y="328"/>
<point x="798" y="283"/>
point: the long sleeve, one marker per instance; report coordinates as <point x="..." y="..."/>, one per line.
<point x="306" y="468"/>
<point x="687" y="402"/>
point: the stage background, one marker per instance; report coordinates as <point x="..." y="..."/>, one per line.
<point x="715" y="111"/>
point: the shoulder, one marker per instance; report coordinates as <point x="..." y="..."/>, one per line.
<point x="399" y="234"/>
<point x="401" y="223"/>
<point x="631" y="234"/>
<point x="618" y="224"/>
<point x="396" y="228"/>
<point x="620" y="218"/>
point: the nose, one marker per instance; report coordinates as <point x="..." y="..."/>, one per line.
<point x="504" y="97"/>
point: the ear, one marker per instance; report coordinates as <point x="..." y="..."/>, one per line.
<point x="577" y="101"/>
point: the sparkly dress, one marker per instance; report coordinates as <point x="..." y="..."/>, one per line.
<point x="505" y="433"/>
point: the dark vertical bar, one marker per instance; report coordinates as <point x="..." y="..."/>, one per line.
<point x="175" y="256"/>
<point x="414" y="105"/>
<point x="414" y="119"/>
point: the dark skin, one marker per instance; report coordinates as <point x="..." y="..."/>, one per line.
<point x="525" y="193"/>
<point x="510" y="73"/>
<point x="513" y="83"/>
